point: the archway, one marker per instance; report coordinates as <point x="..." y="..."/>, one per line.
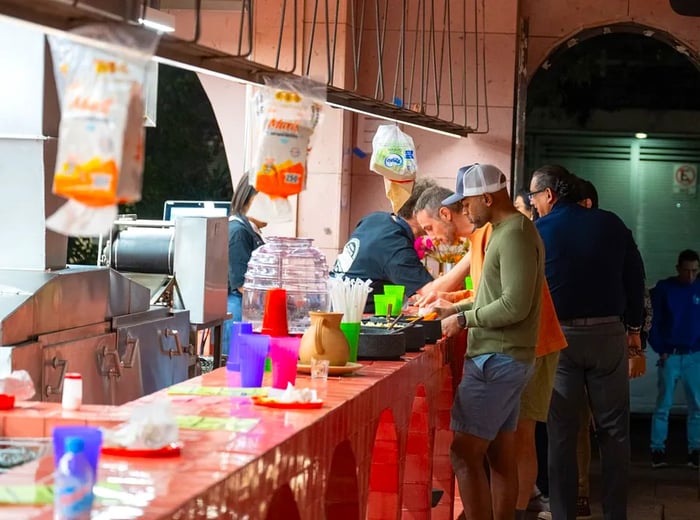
<point x="618" y="106"/>
<point x="342" y="490"/>
<point x="417" y="485"/>
<point x="384" y="473"/>
<point x="283" y="505"/>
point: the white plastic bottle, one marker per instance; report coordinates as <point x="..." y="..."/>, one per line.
<point x="72" y="398"/>
<point x="73" y="483"/>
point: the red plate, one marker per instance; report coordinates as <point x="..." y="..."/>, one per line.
<point x="272" y="403"/>
<point x="170" y="450"/>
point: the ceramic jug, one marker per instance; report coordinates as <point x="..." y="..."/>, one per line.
<point x="324" y="340"/>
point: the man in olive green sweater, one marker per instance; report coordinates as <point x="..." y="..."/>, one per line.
<point x="503" y="323"/>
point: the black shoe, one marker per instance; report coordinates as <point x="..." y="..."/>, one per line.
<point x="658" y="459"/>
<point x="694" y="459"/>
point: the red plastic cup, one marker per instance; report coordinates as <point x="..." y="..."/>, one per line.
<point x="284" y="352"/>
<point x="275" y="313"/>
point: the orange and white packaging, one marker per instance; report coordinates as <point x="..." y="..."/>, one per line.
<point x="286" y="113"/>
<point x="100" y="71"/>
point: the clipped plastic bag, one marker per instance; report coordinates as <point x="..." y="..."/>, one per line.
<point x="18" y="384"/>
<point x="100" y="70"/>
<point x="286" y="112"/>
<point x="393" y="154"/>
<point x="150" y="427"/>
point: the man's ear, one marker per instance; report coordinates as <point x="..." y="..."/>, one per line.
<point x="488" y="199"/>
<point x="445" y="214"/>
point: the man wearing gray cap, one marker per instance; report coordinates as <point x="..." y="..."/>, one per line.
<point x="503" y="323"/>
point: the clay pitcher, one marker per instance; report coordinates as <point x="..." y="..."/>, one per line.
<point x="324" y="340"/>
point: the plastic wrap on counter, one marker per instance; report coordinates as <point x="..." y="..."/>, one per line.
<point x="18" y="384"/>
<point x="151" y="426"/>
<point x="100" y="70"/>
<point x="286" y="113"/>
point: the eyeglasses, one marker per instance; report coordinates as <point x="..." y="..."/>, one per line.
<point x="532" y="194"/>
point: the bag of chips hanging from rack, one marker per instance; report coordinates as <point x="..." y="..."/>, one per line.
<point x="100" y="70"/>
<point x="394" y="158"/>
<point x="286" y="112"/>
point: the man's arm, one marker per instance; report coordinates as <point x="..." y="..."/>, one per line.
<point x="453" y="280"/>
<point x="660" y="321"/>
<point x="633" y="280"/>
<point x="404" y="267"/>
<point x="518" y="271"/>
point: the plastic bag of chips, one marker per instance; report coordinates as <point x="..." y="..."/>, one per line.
<point x="100" y="71"/>
<point x="286" y="112"/>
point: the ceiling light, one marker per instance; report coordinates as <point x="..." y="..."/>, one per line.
<point x="157" y="20"/>
<point x="641" y="135"/>
<point x="398" y="121"/>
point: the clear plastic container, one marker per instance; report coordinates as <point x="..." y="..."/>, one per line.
<point x="294" y="265"/>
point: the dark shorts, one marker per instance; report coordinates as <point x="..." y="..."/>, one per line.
<point x="488" y="397"/>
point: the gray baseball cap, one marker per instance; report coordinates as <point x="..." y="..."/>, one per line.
<point x="477" y="179"/>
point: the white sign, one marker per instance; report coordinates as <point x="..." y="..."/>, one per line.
<point x="685" y="178"/>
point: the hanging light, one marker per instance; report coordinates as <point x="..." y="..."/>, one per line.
<point x="641" y="135"/>
<point x="157" y="20"/>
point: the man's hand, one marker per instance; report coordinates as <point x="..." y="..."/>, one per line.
<point x="637" y="366"/>
<point x="443" y="308"/>
<point x="450" y="327"/>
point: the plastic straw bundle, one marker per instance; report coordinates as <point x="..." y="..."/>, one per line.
<point x="349" y="296"/>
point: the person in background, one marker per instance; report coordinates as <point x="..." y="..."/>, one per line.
<point x="522" y="204"/>
<point x="585" y="248"/>
<point x="503" y="323"/>
<point x="243" y="238"/>
<point x="381" y="249"/>
<point x="675" y="336"/>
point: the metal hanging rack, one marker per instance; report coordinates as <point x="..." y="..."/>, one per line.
<point x="433" y="77"/>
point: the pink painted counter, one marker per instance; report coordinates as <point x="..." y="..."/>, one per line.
<point x="374" y="450"/>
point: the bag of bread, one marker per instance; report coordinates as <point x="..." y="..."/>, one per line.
<point x="393" y="154"/>
<point x="100" y="71"/>
<point x="286" y="112"/>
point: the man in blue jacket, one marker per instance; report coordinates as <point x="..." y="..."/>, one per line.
<point x="675" y="336"/>
<point x="596" y="276"/>
<point x="381" y="249"/>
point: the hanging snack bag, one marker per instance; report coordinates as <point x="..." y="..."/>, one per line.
<point x="394" y="158"/>
<point x="286" y="112"/>
<point x="100" y="70"/>
<point x="393" y="154"/>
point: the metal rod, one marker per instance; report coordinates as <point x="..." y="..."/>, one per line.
<point x="312" y="36"/>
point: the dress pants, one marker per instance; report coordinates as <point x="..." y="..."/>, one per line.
<point x="595" y="360"/>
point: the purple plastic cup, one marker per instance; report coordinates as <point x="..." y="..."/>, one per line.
<point x="284" y="352"/>
<point x="234" y="357"/>
<point x="92" y="437"/>
<point x="253" y="349"/>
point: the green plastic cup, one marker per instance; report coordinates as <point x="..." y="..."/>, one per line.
<point x="382" y="302"/>
<point x="468" y="284"/>
<point x="398" y="292"/>
<point x="352" y="334"/>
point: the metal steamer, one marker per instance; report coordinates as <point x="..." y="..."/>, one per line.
<point x="127" y="333"/>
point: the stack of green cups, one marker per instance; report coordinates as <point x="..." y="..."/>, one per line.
<point x="468" y="284"/>
<point x="395" y="294"/>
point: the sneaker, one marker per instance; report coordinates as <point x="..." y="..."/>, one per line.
<point x="658" y="459"/>
<point x="583" y="507"/>
<point x="538" y="504"/>
<point x="694" y="459"/>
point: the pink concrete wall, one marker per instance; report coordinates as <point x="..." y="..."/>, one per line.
<point x="552" y="22"/>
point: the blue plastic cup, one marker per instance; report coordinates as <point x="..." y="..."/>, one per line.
<point x="253" y="349"/>
<point x="91" y="436"/>
<point x="234" y="358"/>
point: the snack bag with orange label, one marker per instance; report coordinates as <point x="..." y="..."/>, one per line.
<point x="100" y="70"/>
<point x="287" y="110"/>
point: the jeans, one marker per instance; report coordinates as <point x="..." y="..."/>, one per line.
<point x="235" y="307"/>
<point x="685" y="367"/>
